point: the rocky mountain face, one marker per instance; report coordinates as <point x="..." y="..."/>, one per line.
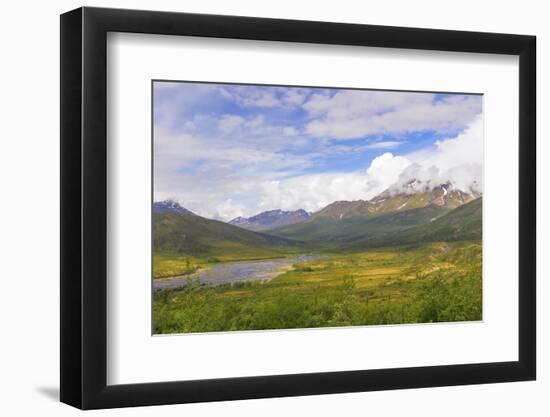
<point x="411" y="196"/>
<point x="169" y="206"/>
<point x="271" y="219"/>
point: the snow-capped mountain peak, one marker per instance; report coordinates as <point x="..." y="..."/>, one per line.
<point x="169" y="206"/>
<point x="412" y="194"/>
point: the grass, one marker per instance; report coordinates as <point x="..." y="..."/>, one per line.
<point x="168" y="264"/>
<point x="436" y="282"/>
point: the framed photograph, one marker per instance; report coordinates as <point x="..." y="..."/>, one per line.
<point x="258" y="208"/>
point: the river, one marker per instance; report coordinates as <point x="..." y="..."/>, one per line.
<point x="231" y="272"/>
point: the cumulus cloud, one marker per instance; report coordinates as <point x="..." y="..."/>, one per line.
<point x="385" y="171"/>
<point x="457" y="160"/>
<point x="313" y="192"/>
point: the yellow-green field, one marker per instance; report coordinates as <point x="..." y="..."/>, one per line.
<point x="169" y="264"/>
<point x="435" y="282"/>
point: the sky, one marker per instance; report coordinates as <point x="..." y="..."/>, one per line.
<point x="227" y="150"/>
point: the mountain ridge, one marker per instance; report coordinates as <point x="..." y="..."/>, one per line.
<point x="460" y="224"/>
<point x="443" y="195"/>
<point x="271" y="219"/>
<point x="429" y="223"/>
<point x="390" y="218"/>
<point x="189" y="233"/>
<point x="167" y="206"/>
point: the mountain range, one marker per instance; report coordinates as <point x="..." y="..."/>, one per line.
<point x="390" y="218"/>
<point x="169" y="206"/>
<point x="416" y="214"/>
<point x="412" y="197"/>
<point x="181" y="231"/>
<point x="271" y="219"/>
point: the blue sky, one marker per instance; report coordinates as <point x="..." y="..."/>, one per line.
<point x="227" y="150"/>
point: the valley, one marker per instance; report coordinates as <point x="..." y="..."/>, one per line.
<point x="404" y="257"/>
<point x="424" y="283"/>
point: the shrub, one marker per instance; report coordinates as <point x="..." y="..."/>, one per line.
<point x="303" y="269"/>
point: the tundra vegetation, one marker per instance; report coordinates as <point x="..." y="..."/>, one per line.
<point x="426" y="283"/>
<point x="414" y="272"/>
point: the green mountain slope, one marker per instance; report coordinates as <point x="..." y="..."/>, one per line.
<point x="426" y="224"/>
<point x="194" y="235"/>
<point x="462" y="223"/>
<point x="392" y="201"/>
<point x="189" y="234"/>
<point x="328" y="231"/>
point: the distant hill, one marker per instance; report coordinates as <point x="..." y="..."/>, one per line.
<point x="169" y="206"/>
<point x="383" y="218"/>
<point x="271" y="219"/>
<point x="461" y="223"/>
<point x="326" y="230"/>
<point x="430" y="223"/>
<point x="387" y="220"/>
<point x="411" y="196"/>
<point x="185" y="232"/>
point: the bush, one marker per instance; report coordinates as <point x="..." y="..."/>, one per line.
<point x="458" y="299"/>
<point x="303" y="269"/>
<point x="213" y="260"/>
<point x="429" y="297"/>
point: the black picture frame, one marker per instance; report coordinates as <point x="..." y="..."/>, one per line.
<point x="84" y="207"/>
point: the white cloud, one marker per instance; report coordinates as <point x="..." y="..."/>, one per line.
<point x="264" y="97"/>
<point x="384" y="171"/>
<point x="389" y="144"/>
<point x="313" y="192"/>
<point x="242" y="127"/>
<point x="289" y="131"/>
<point x="256" y="122"/>
<point x="228" y="165"/>
<point x="217" y="189"/>
<point x="458" y="160"/>
<point x="247" y="96"/>
<point x="266" y="100"/>
<point x="293" y="97"/>
<point x="352" y="114"/>
<point x="228" y="210"/>
<point x="176" y="152"/>
<point x="228" y="123"/>
<point x="213" y="176"/>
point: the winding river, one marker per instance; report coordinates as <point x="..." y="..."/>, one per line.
<point x="231" y="272"/>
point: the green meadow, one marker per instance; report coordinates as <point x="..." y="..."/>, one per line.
<point x="412" y="283"/>
<point x="171" y="264"/>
